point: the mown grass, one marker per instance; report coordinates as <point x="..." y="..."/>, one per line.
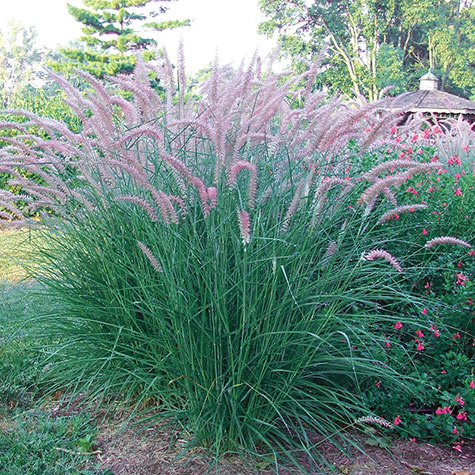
<point x="33" y="440"/>
<point x="15" y="250"/>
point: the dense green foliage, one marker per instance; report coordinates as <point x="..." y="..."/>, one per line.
<point x="111" y="37"/>
<point x="375" y="44"/>
<point x="439" y="348"/>
<point x="48" y="102"/>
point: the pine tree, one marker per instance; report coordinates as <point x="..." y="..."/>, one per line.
<point x="110" y="40"/>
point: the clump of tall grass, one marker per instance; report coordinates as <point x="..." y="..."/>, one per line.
<point x="204" y="267"/>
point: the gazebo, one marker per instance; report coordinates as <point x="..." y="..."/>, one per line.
<point x="433" y="102"/>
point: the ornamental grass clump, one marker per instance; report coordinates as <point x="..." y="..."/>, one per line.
<point x="204" y="269"/>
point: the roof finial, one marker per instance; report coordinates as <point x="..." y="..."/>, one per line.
<point x="429" y="82"/>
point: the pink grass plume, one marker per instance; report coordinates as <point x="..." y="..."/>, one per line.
<point x="244" y="225"/>
<point x="382" y="254"/>
<point x="149" y="255"/>
<point x="446" y="240"/>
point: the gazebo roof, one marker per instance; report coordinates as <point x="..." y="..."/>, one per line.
<point x="433" y="101"/>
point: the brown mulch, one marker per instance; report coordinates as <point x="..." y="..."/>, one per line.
<point x="154" y="451"/>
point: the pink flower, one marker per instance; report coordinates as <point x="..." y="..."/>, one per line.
<point x="412" y="439"/>
<point x="427" y="285"/>
<point x="454" y="430"/>
<point x="454" y="160"/>
<point x="420" y="346"/>
<point x="378" y="384"/>
<point x="457" y="447"/>
<point x="472" y="383"/>
<point x="459" y="400"/>
<point x="388" y="344"/>
<point x="443" y="410"/>
<point x="457" y="335"/>
<point x="424" y="312"/>
<point x="397" y="325"/>
<point x="458" y="192"/>
<point x="397" y="420"/>
<point x="419" y="333"/>
<point x="436" y="333"/>
<point x="462" y="416"/>
<point x="443" y="372"/>
<point x="424" y="231"/>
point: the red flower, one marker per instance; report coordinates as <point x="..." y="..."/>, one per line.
<point x="436" y="333"/>
<point x="459" y="400"/>
<point x="462" y="416"/>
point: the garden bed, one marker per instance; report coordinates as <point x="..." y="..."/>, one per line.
<point x="134" y="452"/>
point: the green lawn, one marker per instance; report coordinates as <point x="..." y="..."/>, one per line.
<point x="15" y="248"/>
<point x="33" y="440"/>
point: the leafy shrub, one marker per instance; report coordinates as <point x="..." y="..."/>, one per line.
<point x="441" y="344"/>
<point x="45" y="102"/>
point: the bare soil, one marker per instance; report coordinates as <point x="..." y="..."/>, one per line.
<point x="155" y="451"/>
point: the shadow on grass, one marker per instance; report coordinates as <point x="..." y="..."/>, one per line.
<point x="32" y="440"/>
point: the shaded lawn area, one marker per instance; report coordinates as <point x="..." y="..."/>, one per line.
<point x="31" y="440"/>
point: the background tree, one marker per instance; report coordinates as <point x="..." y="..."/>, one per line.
<point x="375" y="43"/>
<point x="111" y="40"/>
<point x="19" y="61"/>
